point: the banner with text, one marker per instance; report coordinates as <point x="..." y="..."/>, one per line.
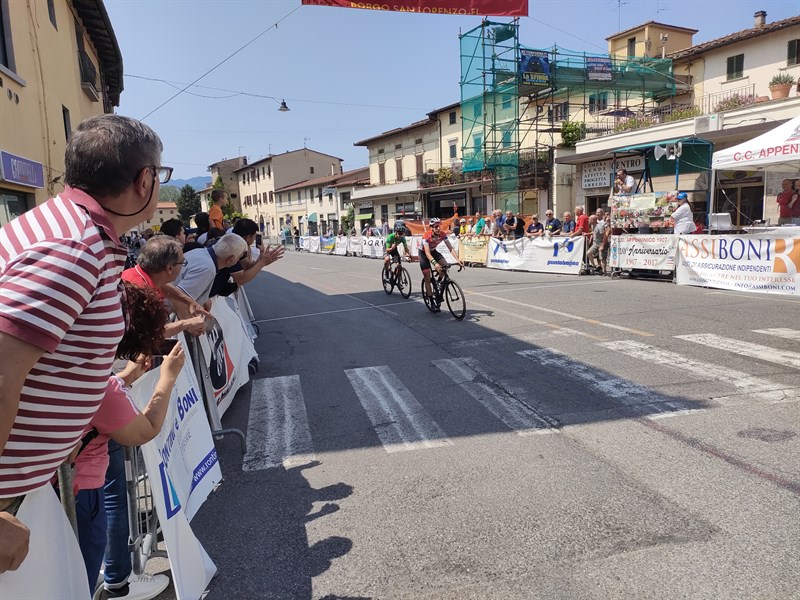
<point x="543" y="255"/>
<point x="341" y="246"/>
<point x="496" y="8"/>
<point x="327" y="244"/>
<point x="751" y="263"/>
<point x="311" y="244"/>
<point x="227" y="351"/>
<point x="354" y="245"/>
<point x="372" y="246"/>
<point x="473" y="249"/>
<point x="182" y="466"/>
<point x="643" y="252"/>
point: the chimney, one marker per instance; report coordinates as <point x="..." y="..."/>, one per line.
<point x="761" y="18"/>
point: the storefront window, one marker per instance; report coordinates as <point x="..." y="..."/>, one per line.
<point x="12" y="205"/>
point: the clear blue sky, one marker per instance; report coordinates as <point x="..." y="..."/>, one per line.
<point x="346" y="74"/>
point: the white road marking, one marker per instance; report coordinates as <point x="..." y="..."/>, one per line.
<point x="753" y="388"/>
<point x="784" y="332"/>
<point x="534" y="338"/>
<point x="625" y="391"/>
<point x="784" y="358"/>
<point x="518" y="416"/>
<point x="564" y="314"/>
<point x="399" y="420"/>
<point x="332" y="312"/>
<point x="277" y="429"/>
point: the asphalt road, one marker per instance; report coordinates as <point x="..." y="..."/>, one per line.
<point x="573" y="437"/>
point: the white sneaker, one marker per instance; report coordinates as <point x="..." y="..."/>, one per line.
<point x="140" y="587"/>
<point x="146" y="587"/>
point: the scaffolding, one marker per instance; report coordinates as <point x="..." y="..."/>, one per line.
<point x="565" y="96"/>
<point x="490" y="141"/>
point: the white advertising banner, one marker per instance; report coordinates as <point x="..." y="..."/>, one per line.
<point x="341" y="246"/>
<point x="354" y="245"/>
<point x="182" y="465"/>
<point x="311" y="245"/>
<point x="372" y="246"/>
<point x="544" y="255"/>
<point x="415" y="247"/>
<point x="655" y="251"/>
<point x="751" y="263"/>
<point x="227" y="351"/>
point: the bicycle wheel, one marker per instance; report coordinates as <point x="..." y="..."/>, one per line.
<point x="386" y="280"/>
<point x="456" y="303"/>
<point x="404" y="283"/>
<point x="430" y="303"/>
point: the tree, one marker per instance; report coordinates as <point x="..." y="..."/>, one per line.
<point x="348" y="220"/>
<point x="188" y="203"/>
<point x="168" y="193"/>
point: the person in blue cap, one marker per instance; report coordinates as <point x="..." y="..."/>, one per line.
<point x="683" y="217"/>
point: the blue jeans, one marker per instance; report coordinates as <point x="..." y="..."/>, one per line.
<point x="118" y="558"/>
<point x="91" y="531"/>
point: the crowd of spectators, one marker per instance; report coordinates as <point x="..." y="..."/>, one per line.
<point x="76" y="295"/>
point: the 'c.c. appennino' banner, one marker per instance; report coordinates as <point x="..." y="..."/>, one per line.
<point x="544" y="255"/>
<point x="656" y="251"/>
<point x="497" y="8"/>
<point x="770" y="265"/>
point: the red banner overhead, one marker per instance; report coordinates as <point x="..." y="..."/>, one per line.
<point x="497" y="8"/>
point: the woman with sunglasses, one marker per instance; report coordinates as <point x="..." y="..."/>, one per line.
<point x="429" y="255"/>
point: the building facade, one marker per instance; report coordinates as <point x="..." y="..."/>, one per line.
<point x="259" y="181"/>
<point x="71" y="46"/>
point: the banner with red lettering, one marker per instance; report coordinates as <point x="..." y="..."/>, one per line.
<point x="496" y="8"/>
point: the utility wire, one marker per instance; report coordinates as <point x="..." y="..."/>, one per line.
<point x="223" y="61"/>
<point x="234" y="93"/>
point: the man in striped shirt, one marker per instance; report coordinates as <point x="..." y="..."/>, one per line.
<point x="60" y="322"/>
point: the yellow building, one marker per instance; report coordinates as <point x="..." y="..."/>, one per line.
<point x="165" y="211"/>
<point x="59" y="64"/>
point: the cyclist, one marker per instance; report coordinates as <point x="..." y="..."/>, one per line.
<point x="429" y="254"/>
<point x="393" y="240"/>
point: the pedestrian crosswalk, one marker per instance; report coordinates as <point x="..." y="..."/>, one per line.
<point x="401" y="421"/>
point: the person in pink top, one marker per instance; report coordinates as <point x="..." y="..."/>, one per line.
<point x="118" y="418"/>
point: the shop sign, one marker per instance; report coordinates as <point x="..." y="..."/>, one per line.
<point x="22" y="171"/>
<point x="367" y="204"/>
<point x="597" y="174"/>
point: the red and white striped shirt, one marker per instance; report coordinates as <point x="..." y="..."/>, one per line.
<point x="60" y="266"/>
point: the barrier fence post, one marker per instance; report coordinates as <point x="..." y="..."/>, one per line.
<point x="67" y="495"/>
<point x="207" y="390"/>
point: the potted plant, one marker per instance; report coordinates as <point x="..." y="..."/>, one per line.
<point x="780" y="85"/>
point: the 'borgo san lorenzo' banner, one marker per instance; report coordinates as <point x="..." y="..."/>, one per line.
<point x="498" y="8"/>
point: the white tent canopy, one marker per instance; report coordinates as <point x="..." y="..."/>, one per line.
<point x="775" y="150"/>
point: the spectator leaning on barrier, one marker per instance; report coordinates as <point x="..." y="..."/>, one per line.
<point x="203" y="225"/>
<point x="248" y="267"/>
<point x="202" y="264"/>
<point x="510" y="225"/>
<point x="159" y="265"/>
<point x="582" y="226"/>
<point x="480" y="225"/>
<point x="519" y="228"/>
<point x="120" y="420"/>
<point x="535" y="229"/>
<point x="568" y="224"/>
<point x="552" y="226"/>
<point x="66" y="248"/>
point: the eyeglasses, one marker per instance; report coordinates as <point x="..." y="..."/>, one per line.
<point x="435" y="225"/>
<point x="163" y="173"/>
<point x="181" y="263"/>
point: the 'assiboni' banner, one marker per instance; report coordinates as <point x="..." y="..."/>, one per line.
<point x="498" y="8"/>
<point x="750" y="263"/>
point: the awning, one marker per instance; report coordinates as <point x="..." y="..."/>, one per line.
<point x="775" y="150"/>
<point x="683" y="141"/>
<point x="363" y="217"/>
<point x="312" y="217"/>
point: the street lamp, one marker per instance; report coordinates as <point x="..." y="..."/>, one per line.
<point x="283" y="107"/>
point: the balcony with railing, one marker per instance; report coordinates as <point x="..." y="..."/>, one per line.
<point x="627" y="119"/>
<point x="88" y="76"/>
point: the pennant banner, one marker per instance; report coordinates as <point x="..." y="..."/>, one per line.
<point x="496" y="8"/>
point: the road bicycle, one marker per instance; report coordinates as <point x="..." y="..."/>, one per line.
<point x="445" y="290"/>
<point x="396" y="277"/>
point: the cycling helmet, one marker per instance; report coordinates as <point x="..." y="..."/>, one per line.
<point x="399" y="227"/>
<point x="435" y="221"/>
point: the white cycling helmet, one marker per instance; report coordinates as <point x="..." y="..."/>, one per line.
<point x="435" y="221"/>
